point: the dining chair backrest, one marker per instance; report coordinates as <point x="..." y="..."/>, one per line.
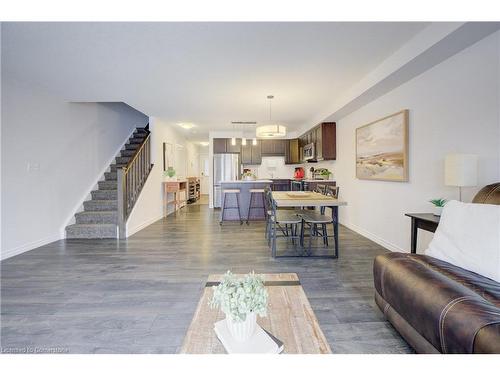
<point x="332" y="191"/>
<point x="268" y="198"/>
<point x="320" y="189"/>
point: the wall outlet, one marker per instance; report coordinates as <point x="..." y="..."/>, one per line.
<point x="33" y="167"/>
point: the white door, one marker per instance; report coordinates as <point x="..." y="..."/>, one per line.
<point x="204" y="173"/>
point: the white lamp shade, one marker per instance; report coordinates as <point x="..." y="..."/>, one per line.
<point x="460" y="170"/>
<point x="270" y="131"/>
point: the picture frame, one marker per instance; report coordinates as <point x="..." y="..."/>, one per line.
<point x="382" y="149"/>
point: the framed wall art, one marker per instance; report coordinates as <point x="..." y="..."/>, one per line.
<point x="382" y="149"/>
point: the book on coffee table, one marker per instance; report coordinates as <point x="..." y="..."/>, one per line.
<point x="261" y="342"/>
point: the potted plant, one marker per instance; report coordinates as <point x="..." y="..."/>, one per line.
<point x="438" y="206"/>
<point x="169" y="173"/>
<point x="325" y="173"/>
<point x="241" y="299"/>
<point x="248" y="176"/>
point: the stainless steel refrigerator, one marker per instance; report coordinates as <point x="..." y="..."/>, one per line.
<point x="226" y="168"/>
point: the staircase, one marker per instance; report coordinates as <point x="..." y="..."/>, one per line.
<point x="100" y="219"/>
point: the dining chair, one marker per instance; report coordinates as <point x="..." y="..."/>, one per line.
<point x="284" y="221"/>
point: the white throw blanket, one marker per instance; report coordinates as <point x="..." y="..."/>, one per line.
<point x="468" y="236"/>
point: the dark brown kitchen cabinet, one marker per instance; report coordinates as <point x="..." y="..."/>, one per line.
<point x="273" y="147"/>
<point x="233" y="149"/>
<point x="251" y="154"/>
<point x="219" y="145"/>
<point x="328" y="140"/>
<point x="319" y="142"/>
<point x="325" y="140"/>
<point x="257" y="153"/>
<point x="280" y="185"/>
<point x="292" y="151"/>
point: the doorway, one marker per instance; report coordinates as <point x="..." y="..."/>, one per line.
<point x="204" y="177"/>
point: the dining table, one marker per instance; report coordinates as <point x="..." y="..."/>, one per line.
<point x="311" y="199"/>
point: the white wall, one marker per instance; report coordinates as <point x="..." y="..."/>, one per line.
<point x="149" y="207"/>
<point x="53" y="153"/>
<point x="193" y="159"/>
<point x="454" y="107"/>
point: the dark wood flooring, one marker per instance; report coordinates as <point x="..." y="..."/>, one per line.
<point x="139" y="295"/>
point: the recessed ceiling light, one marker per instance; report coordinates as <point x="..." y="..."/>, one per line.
<point x="204" y="143"/>
<point x="186" y="125"/>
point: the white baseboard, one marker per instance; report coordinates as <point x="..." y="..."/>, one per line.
<point x="29" y="246"/>
<point x="388" y="245"/>
<point x="137" y="228"/>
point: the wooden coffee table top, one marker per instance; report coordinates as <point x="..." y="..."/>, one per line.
<point x="290" y="318"/>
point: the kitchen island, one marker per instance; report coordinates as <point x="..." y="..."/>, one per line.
<point x="244" y="187"/>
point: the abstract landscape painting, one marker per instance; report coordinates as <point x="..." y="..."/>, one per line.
<point x="382" y="149"/>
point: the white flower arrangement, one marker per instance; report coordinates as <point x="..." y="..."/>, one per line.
<point x="239" y="297"/>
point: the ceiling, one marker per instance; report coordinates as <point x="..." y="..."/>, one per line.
<point x="208" y="74"/>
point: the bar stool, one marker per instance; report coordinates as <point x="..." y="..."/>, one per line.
<point x="252" y="207"/>
<point x="236" y="192"/>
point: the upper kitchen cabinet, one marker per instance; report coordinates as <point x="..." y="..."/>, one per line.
<point x="233" y="149"/>
<point x="220" y="145"/>
<point x="326" y="141"/>
<point x="324" y="138"/>
<point x="292" y="151"/>
<point x="250" y="154"/>
<point x="273" y="147"/>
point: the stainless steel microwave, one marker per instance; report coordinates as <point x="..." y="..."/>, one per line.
<point x="309" y="151"/>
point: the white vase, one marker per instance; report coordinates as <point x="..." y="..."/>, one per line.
<point x="242" y="331"/>
<point x="437" y="210"/>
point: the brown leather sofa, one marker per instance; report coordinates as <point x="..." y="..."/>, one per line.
<point x="436" y="306"/>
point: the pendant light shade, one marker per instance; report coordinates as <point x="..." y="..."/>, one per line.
<point x="243" y="141"/>
<point x="233" y="141"/>
<point x="271" y="130"/>
<point x="254" y="142"/>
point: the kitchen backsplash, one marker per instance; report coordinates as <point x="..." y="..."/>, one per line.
<point x="275" y="167"/>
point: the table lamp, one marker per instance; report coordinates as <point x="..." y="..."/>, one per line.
<point x="460" y="170"/>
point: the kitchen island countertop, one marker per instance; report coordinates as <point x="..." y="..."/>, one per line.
<point x="247" y="182"/>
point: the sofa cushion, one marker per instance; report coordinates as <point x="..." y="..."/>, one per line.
<point x="447" y="305"/>
<point x="468" y="236"/>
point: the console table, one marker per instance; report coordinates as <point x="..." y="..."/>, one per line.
<point x="175" y="187"/>
<point x="428" y="222"/>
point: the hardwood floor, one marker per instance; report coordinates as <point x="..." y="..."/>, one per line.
<point x="139" y="295"/>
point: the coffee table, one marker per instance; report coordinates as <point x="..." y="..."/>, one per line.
<point x="290" y="318"/>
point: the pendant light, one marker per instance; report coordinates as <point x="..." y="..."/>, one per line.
<point x="233" y="139"/>
<point x="271" y="130"/>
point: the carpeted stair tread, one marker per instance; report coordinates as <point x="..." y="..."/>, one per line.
<point x="97" y="217"/>
<point x="100" y="205"/>
<point x="122" y="159"/>
<point x="107" y="185"/>
<point x="127" y="152"/>
<point x="104" y="194"/>
<point x="89" y="231"/>
<point x="132" y="146"/>
<point x="114" y="166"/>
<point x="110" y="176"/>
